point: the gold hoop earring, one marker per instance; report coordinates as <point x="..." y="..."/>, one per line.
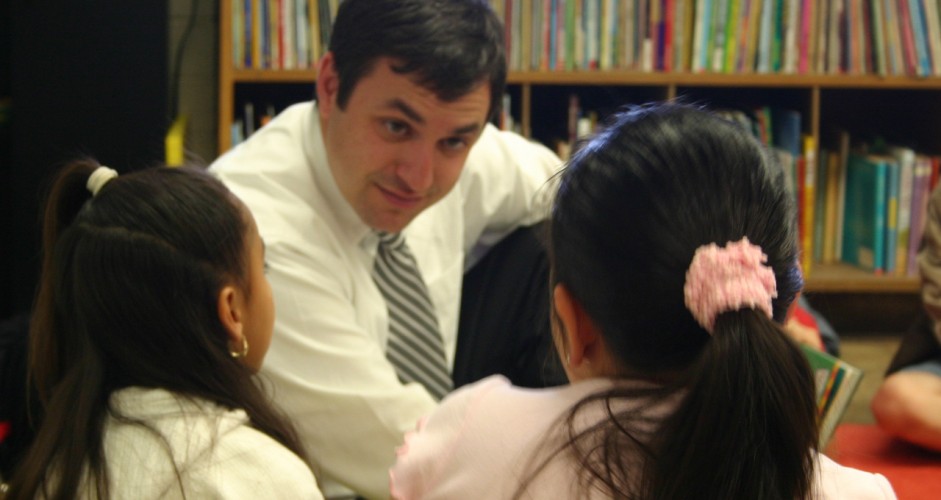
<point x="243" y="352"/>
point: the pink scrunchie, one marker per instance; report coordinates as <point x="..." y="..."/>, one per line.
<point x="728" y="279"/>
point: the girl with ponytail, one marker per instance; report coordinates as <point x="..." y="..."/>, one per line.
<point x="673" y="262"/>
<point x="152" y="316"/>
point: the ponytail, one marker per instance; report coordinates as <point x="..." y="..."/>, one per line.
<point x="747" y="426"/>
<point x="65" y="370"/>
<point x="128" y="293"/>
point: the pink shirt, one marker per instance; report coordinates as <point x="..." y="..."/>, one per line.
<point x="482" y="440"/>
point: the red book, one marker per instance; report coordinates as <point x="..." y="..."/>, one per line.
<point x="908" y="39"/>
<point x="668" y="16"/>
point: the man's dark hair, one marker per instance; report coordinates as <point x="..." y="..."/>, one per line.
<point x="451" y="46"/>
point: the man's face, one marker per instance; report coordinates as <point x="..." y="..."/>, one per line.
<point x="396" y="149"/>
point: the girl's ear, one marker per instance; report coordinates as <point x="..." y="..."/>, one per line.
<point x="229" y="306"/>
<point x="585" y="349"/>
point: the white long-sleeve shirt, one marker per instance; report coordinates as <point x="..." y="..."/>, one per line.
<point x="192" y="448"/>
<point x="327" y="363"/>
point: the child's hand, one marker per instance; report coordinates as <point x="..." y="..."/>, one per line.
<point x="803" y="334"/>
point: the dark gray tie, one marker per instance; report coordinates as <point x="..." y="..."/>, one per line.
<point x="415" y="347"/>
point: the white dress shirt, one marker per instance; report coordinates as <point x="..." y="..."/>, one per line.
<point x="327" y="361"/>
<point x="215" y="453"/>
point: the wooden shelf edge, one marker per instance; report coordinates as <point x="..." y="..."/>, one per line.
<point x="274" y="75"/>
<point x="842" y="278"/>
<point x="623" y="77"/>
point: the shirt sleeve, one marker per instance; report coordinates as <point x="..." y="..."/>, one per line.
<point x="434" y="460"/>
<point x="505" y="184"/>
<point x="836" y="481"/>
<point x="246" y="464"/>
<point x="331" y="375"/>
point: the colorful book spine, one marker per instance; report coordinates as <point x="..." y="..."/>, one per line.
<point x="933" y="25"/>
<point x="922" y="51"/>
<point x="702" y="31"/>
<point x="830" y="232"/>
<point x="906" y="31"/>
<point x="893" y="180"/>
<point x="835" y="382"/>
<point x="905" y="158"/>
<point x="920" y="194"/>
<point x="807" y="209"/>
<point x="820" y="205"/>
<point x="865" y="213"/>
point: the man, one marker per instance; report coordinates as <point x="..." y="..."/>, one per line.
<point x="908" y="403"/>
<point x="398" y="141"/>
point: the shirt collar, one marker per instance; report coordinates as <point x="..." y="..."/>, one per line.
<point x="351" y="228"/>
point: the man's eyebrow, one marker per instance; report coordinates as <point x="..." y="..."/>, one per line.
<point x="413" y="115"/>
<point x="406" y="110"/>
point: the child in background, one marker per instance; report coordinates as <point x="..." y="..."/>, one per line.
<point x="907" y="404"/>
<point x="152" y="316"/>
<point x="673" y="264"/>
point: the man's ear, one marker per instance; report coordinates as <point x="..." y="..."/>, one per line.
<point x="229" y="306"/>
<point x="328" y="84"/>
<point x="581" y="335"/>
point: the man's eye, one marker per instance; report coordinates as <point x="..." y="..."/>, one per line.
<point x="396" y="127"/>
<point x="455" y="144"/>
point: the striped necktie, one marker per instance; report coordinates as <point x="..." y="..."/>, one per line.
<point x="415" y="348"/>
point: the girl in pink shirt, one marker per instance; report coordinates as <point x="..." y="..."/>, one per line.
<point x="674" y="260"/>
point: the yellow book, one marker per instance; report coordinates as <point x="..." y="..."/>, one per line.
<point x="806" y="209"/>
<point x="175" y="142"/>
<point x="313" y="18"/>
<point x="256" y="34"/>
<point x="830" y="235"/>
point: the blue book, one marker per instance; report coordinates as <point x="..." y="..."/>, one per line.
<point x="920" y="30"/>
<point x="786" y="136"/>
<point x="247" y="21"/>
<point x="864" y="223"/>
<point x="893" y="181"/>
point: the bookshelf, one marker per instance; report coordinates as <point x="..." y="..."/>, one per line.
<point x="898" y="105"/>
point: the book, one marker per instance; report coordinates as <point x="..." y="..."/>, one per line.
<point x="905" y="157"/>
<point x="835" y="382"/>
<point x="843" y="146"/>
<point x="920" y="193"/>
<point x="830" y="233"/>
<point x="808" y="199"/>
<point x="175" y="142"/>
<point x="820" y="200"/>
<point x="932" y="15"/>
<point x="920" y="37"/>
<point x="891" y="215"/>
<point x="864" y="216"/>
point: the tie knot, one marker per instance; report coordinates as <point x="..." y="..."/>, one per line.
<point x="391" y="240"/>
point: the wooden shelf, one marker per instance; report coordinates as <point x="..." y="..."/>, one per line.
<point x="902" y="106"/>
<point x="630" y="78"/>
<point x="717" y="79"/>
<point x="840" y="278"/>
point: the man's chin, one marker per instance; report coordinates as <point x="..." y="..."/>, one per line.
<point x="391" y="224"/>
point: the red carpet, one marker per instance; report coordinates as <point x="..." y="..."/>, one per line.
<point x="915" y="473"/>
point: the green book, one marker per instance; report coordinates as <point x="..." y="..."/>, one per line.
<point x="865" y="212"/>
<point x="836" y="381"/>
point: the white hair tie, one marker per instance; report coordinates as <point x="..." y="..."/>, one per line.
<point x="99" y="178"/>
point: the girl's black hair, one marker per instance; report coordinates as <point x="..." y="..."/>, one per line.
<point x="128" y="297"/>
<point x="634" y="204"/>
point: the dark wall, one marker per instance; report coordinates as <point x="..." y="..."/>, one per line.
<point x="86" y="77"/>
